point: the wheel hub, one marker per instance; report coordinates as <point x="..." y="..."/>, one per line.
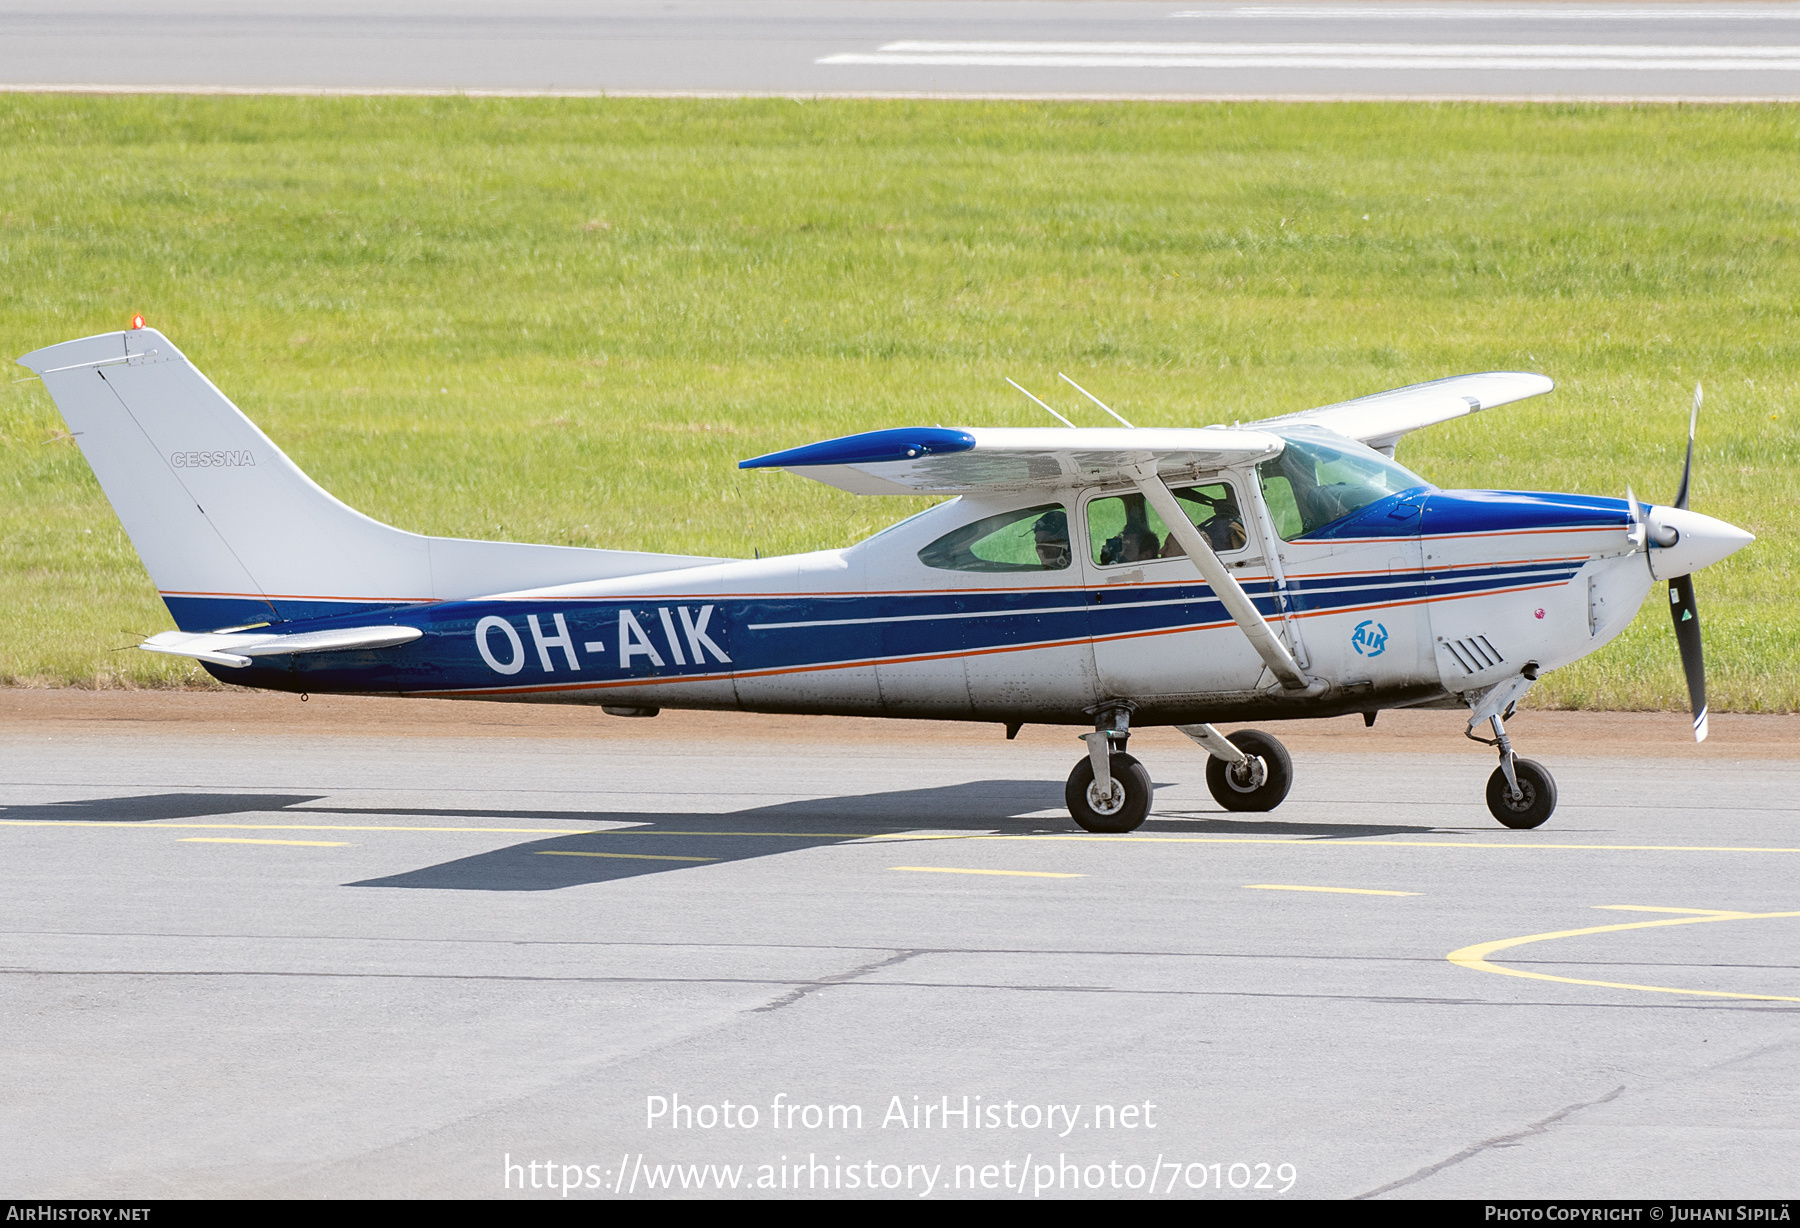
<point x="1248" y="776"/>
<point x="1526" y="799"/>
<point x="1111" y="802"/>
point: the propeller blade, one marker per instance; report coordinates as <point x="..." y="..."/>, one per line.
<point x="1637" y="535"/>
<point x="1693" y="662"/>
<point x="1687" y="470"/>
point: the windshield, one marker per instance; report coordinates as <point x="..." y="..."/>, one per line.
<point x="1319" y="479"/>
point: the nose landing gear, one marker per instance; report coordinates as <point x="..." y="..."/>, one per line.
<point x="1525" y="801"/>
<point x="1521" y="793"/>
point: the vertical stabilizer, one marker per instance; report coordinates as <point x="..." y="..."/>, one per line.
<point x="232" y="532"/>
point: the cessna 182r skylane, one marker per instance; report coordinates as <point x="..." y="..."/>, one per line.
<point x="1275" y="570"/>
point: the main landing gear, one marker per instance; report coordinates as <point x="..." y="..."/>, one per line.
<point x="1249" y="771"/>
<point x="1109" y="791"/>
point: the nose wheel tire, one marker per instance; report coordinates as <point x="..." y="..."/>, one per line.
<point x="1260" y="784"/>
<point x="1125" y="805"/>
<point x="1537" y="795"/>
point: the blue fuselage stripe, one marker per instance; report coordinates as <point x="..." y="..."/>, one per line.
<point x="616" y="640"/>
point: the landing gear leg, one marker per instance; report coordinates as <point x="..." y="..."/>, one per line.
<point x="1521" y="793"/>
<point x="1109" y="791"/>
<point x="1249" y="771"/>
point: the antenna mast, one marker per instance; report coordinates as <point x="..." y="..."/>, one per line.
<point x="1046" y="408"/>
<point x="1090" y="396"/>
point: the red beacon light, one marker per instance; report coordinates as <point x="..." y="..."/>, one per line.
<point x="137" y="321"/>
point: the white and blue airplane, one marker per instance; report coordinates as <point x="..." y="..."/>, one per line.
<point x="1098" y="578"/>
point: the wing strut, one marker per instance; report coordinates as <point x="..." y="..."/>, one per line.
<point x="1237" y="603"/>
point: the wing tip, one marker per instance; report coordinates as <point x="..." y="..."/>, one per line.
<point x="868" y="448"/>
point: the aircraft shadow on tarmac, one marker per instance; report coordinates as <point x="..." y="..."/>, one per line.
<point x="149" y="807"/>
<point x="659" y="843"/>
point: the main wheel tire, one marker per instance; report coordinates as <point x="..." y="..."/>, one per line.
<point x="1538" y="800"/>
<point x="1264" y="787"/>
<point x="1124" y="810"/>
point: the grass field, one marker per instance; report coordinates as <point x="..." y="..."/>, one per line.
<point x="565" y="321"/>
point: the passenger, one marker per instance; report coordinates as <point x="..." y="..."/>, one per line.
<point x="1052" y="536"/>
<point x="1135" y="542"/>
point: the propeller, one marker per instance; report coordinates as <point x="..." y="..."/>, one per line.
<point x="1681" y="598"/>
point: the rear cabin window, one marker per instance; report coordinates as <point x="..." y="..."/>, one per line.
<point x="1126" y="529"/>
<point x="1032" y="539"/>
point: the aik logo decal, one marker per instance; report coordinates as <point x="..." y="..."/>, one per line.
<point x="1369" y="638"/>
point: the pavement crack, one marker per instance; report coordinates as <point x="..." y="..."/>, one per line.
<point x="825" y="982"/>
<point x="1533" y="1130"/>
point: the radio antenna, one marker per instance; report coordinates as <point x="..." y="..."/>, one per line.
<point x="1046" y="408"/>
<point x="1090" y="396"/>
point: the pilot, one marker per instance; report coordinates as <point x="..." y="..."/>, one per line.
<point x="1135" y="542"/>
<point x="1052" y="536"/>
<point x="1222" y="534"/>
<point x="1224" y="528"/>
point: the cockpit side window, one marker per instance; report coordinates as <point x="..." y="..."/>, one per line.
<point x="1030" y="539"/>
<point x="1126" y="529"/>
<point x="1315" y="482"/>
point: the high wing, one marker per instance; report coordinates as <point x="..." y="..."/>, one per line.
<point x="237" y="648"/>
<point x="1380" y="420"/>
<point x="927" y="460"/>
<point x="942" y="461"/>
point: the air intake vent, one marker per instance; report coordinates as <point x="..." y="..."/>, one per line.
<point x="1474" y="654"/>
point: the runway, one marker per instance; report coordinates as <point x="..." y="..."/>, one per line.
<point x="911" y="48"/>
<point x="259" y="948"/>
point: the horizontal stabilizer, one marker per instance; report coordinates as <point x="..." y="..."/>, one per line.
<point x="236" y="648"/>
<point x="1380" y="420"/>
<point x="942" y="461"/>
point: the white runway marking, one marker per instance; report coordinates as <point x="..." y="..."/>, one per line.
<point x="1513" y="56"/>
<point x="1485" y="12"/>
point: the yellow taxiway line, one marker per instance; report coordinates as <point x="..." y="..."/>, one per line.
<point x="153" y="824"/>
<point x="1343" y="842"/>
<point x="1522" y="845"/>
<point x="316" y="844"/>
<point x="621" y="856"/>
<point x="1335" y="890"/>
<point x="1008" y="873"/>
<point x="156" y="825"/>
<point x="1476" y="956"/>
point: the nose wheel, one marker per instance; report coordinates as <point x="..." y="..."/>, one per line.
<point x="1526" y="800"/>
<point x="1521" y="793"/>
